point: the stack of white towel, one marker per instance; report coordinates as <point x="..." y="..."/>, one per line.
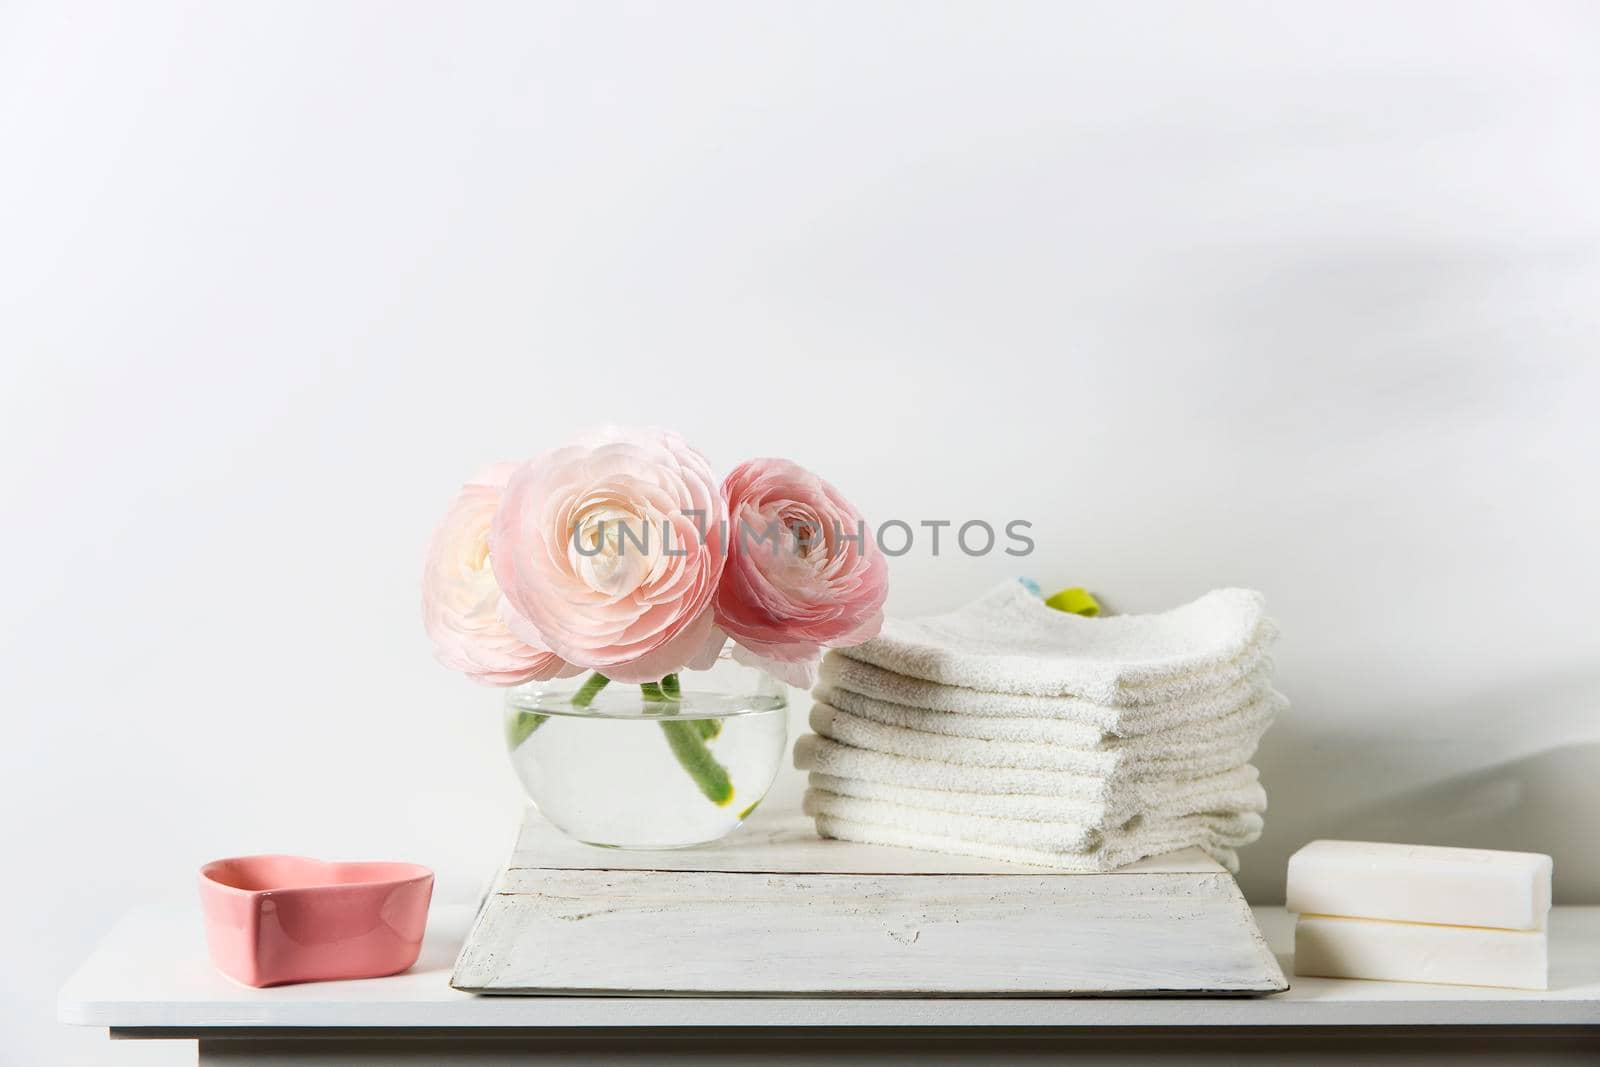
<point x="1013" y="731"/>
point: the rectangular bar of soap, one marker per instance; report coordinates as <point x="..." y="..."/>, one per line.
<point x="1421" y="884"/>
<point x="1330" y="947"/>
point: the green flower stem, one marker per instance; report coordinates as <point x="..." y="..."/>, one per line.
<point x="670" y="690"/>
<point x="690" y="748"/>
<point x="589" y="690"/>
<point x="521" y="726"/>
<point x="687" y="738"/>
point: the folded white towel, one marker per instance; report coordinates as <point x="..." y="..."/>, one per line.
<point x="875" y="822"/>
<point x="1229" y="830"/>
<point x="1008" y="641"/>
<point x="1096" y="800"/>
<point x="1070" y="732"/>
<point x="1236" y="793"/>
<point x="1227" y="748"/>
<point x="1264" y="704"/>
<point x="1107" y="859"/>
<point x="863" y="679"/>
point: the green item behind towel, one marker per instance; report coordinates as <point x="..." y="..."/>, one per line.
<point x="1074" y="602"/>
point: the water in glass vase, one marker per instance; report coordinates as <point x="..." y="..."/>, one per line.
<point x="668" y="766"/>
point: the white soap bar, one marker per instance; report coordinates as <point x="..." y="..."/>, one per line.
<point x="1421" y="884"/>
<point x="1330" y="947"/>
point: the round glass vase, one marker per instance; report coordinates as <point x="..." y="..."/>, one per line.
<point x="669" y="765"/>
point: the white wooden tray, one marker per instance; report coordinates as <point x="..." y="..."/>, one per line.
<point x="776" y="911"/>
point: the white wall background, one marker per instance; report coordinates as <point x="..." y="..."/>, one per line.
<point x="1302" y="297"/>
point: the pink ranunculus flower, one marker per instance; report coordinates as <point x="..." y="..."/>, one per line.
<point x="609" y="549"/>
<point x="461" y="601"/>
<point x="803" y="571"/>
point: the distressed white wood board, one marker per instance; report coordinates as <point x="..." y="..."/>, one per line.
<point x="777" y="911"/>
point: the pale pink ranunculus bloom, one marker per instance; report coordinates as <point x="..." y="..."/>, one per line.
<point x="461" y="600"/>
<point x="803" y="570"/>
<point x="608" y="548"/>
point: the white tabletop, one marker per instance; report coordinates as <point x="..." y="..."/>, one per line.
<point x="151" y="971"/>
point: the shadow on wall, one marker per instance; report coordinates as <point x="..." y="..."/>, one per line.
<point x="1514" y="768"/>
<point x="1533" y="804"/>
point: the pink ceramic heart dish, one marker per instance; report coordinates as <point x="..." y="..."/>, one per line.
<point x="271" y="920"/>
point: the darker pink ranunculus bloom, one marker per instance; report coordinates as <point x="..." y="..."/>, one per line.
<point x="461" y="601"/>
<point x="803" y="570"/>
<point x="602" y="552"/>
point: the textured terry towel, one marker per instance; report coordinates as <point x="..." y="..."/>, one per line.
<point x="863" y="679"/>
<point x="1227" y="748"/>
<point x="1263" y="705"/>
<point x="1095" y="800"/>
<point x="1009" y="641"/>
<point x="1227" y="830"/>
<point x="1237" y="793"/>
<point x="876" y="822"/>
<point x="1108" y="858"/>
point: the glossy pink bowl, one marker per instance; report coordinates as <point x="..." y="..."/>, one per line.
<point x="271" y="920"/>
